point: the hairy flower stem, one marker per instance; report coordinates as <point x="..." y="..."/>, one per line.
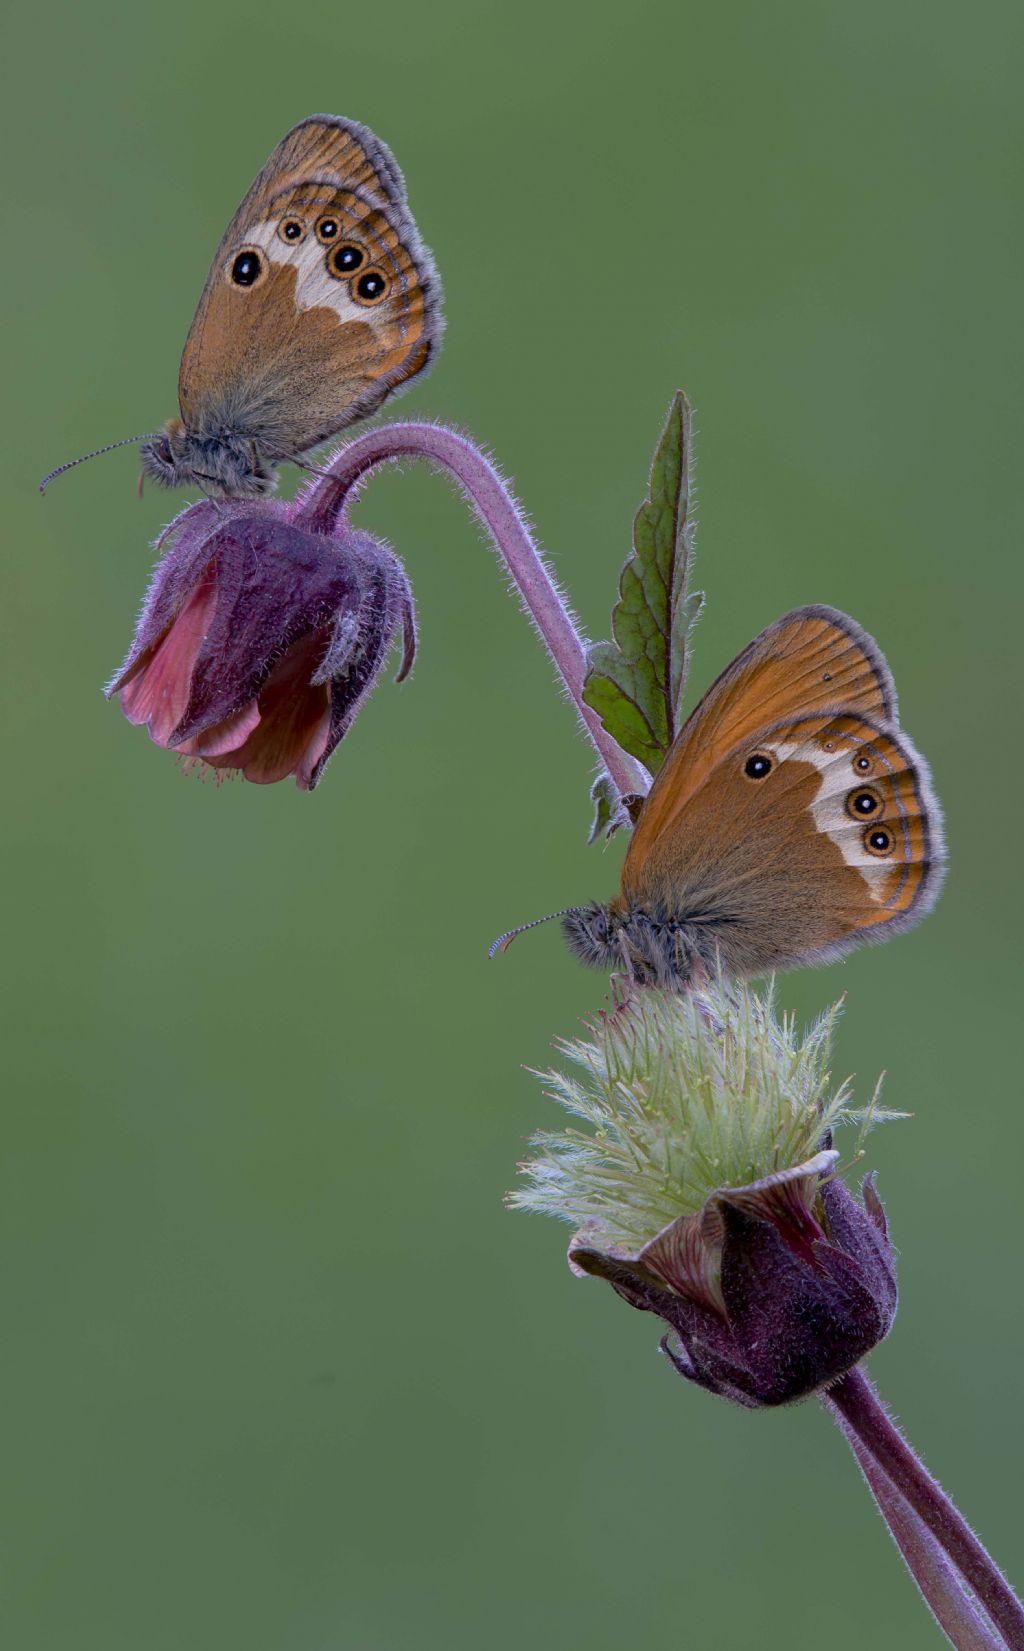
<point x="504" y="522"/>
<point x="943" y="1589"/>
<point x="879" y="1445"/>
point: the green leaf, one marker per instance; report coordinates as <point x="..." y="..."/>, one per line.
<point x="609" y="809"/>
<point x="635" y="682"/>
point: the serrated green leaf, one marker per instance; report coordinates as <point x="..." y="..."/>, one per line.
<point x="635" y="682"/>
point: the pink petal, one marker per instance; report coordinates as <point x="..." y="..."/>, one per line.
<point x="314" y="750"/>
<point x="158" y="692"/>
<point x="223" y="737"/>
<point x="293" y="721"/>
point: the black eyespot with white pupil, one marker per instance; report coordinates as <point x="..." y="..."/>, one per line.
<point x="327" y="229"/>
<point x="878" y="841"/>
<point x="757" y="767"/>
<point x="371" y="287"/>
<point x="345" y="260"/>
<point x="863" y="803"/>
<point x="862" y="763"/>
<point x="292" y="230"/>
<point x="246" y="269"/>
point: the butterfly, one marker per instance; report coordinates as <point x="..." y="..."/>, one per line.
<point x="321" y="300"/>
<point x="791" y="820"/>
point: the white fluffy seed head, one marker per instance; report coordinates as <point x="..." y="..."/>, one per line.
<point x="680" y="1095"/>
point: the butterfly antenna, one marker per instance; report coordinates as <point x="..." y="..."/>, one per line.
<point x="125" y="441"/>
<point x="504" y="941"/>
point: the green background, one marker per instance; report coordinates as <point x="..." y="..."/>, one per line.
<point x="280" y="1372"/>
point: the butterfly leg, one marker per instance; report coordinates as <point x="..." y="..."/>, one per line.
<point x="211" y="498"/>
<point x="691" y="965"/>
<point x="627" y="959"/>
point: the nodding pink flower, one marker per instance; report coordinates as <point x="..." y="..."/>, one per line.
<point x="261" y="635"/>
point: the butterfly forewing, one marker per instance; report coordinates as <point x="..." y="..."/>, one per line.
<point x="813" y="659"/>
<point x="320" y="300"/>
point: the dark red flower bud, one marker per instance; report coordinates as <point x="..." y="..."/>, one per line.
<point x="261" y="635"/>
<point x="773" y="1290"/>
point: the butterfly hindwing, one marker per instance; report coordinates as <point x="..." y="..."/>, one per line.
<point x="320" y="300"/>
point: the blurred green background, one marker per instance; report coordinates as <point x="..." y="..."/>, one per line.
<point x="279" y="1369"/>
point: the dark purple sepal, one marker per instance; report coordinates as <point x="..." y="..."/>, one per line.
<point x="361" y="641"/>
<point x="272" y="589"/>
<point x="704" y="1373"/>
<point x="860" y="1232"/>
<point x="796" y="1325"/>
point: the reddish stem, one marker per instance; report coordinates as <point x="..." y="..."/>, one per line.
<point x="321" y="503"/>
<point x="955" y="1610"/>
<point x="876" y="1438"/>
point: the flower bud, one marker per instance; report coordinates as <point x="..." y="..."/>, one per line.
<point x="773" y="1290"/>
<point x="261" y="635"/>
<point x="706" y="1192"/>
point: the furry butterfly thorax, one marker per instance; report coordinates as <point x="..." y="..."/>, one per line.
<point x="791" y="820"/>
<point x="321" y="301"/>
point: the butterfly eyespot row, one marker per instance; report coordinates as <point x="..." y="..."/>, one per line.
<point x="281" y="362"/>
<point x="758" y="766"/>
<point x="878" y="841"/>
<point x="246" y="268"/>
<point x="343" y="261"/>
<point x="862" y="803"/>
<point x="370" y="288"/>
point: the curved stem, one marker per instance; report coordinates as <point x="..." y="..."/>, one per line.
<point x="864" y="1418"/>
<point x="319" y="506"/>
<point x="956" y="1611"/>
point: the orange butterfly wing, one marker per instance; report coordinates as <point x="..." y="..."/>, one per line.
<point x="782" y="868"/>
<point x="298" y="354"/>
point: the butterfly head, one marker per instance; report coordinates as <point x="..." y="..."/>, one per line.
<point x="221" y="462"/>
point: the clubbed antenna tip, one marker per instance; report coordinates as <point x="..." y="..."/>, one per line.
<point x="504" y="941"/>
